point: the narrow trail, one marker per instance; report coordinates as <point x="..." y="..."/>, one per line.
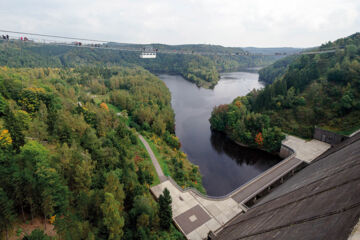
<point x="155" y="162"/>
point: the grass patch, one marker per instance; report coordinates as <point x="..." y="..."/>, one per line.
<point x="349" y="131"/>
<point x="113" y="108"/>
<point x="99" y="99"/>
<point x="161" y="160"/>
<point x="346" y="125"/>
<point x="103" y="98"/>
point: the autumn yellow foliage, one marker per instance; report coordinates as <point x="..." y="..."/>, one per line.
<point x="35" y="90"/>
<point x="52" y="219"/>
<point x="5" y="138"/>
<point x="30" y="98"/>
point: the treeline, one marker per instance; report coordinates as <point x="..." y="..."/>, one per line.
<point x="315" y="90"/>
<point x="202" y="70"/>
<point x="68" y="158"/>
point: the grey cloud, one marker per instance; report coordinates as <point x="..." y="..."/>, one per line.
<point x="226" y="22"/>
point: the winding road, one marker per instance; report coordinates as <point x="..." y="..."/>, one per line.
<point x="155" y="162"/>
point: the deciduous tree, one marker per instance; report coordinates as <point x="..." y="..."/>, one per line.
<point x="113" y="220"/>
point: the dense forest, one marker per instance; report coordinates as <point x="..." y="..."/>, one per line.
<point x="275" y="70"/>
<point x="306" y="91"/>
<point x="69" y="152"/>
<point x="201" y="69"/>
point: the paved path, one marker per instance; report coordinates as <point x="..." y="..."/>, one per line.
<point x="155" y="162"/>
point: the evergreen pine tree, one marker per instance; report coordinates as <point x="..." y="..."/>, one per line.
<point x="165" y="211"/>
<point x="141" y="176"/>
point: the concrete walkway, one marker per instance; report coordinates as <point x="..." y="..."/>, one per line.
<point x="264" y="180"/>
<point x="306" y="150"/>
<point x="154" y="161"/>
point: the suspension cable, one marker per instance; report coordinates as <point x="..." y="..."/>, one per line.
<point x="54" y="36"/>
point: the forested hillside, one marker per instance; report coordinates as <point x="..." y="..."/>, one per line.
<point x="68" y="158"/>
<point x="275" y="70"/>
<point x="202" y="70"/>
<point x="315" y="90"/>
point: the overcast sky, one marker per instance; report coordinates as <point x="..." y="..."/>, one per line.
<point x="260" y="23"/>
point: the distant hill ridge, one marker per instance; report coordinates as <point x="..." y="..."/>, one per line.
<point x="202" y="70"/>
<point x="210" y="48"/>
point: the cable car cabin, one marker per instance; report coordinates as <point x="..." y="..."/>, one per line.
<point x="148" y="55"/>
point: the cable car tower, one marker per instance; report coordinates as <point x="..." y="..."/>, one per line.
<point x="148" y="53"/>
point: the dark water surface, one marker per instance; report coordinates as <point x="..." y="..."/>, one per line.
<point x="223" y="164"/>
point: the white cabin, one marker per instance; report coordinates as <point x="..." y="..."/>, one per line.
<point x="148" y="55"/>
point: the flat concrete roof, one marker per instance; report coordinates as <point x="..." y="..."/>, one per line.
<point x="196" y="215"/>
<point x="306" y="150"/>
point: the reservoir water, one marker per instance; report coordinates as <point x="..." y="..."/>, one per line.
<point x="223" y="164"/>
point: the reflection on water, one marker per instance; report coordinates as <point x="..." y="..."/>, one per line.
<point x="242" y="155"/>
<point x="223" y="164"/>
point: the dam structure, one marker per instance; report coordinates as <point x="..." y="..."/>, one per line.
<point x="196" y="215"/>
